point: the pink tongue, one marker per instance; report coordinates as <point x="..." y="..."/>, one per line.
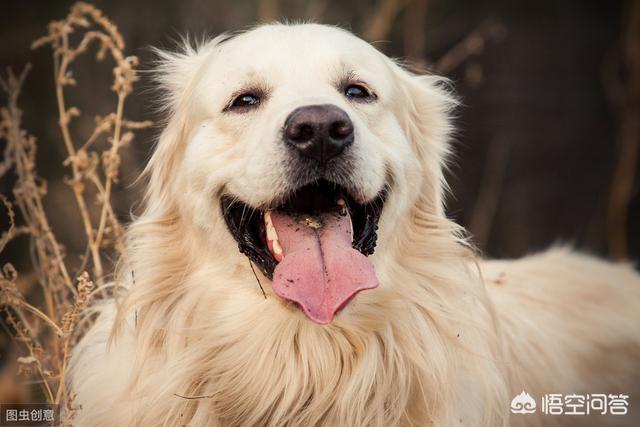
<point x="320" y="270"/>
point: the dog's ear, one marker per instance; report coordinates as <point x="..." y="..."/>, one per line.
<point x="175" y="73"/>
<point x="174" y="70"/>
<point x="427" y="103"/>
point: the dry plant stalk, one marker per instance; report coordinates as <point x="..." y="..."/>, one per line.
<point x="382" y="19"/>
<point x="628" y="103"/>
<point x="84" y="163"/>
<point x="268" y="10"/>
<point x="473" y="44"/>
<point x="49" y="332"/>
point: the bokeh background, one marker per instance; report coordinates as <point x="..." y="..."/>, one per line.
<point x="548" y="133"/>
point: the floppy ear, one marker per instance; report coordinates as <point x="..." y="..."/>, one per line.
<point x="175" y="74"/>
<point x="427" y="103"/>
<point x="175" y="69"/>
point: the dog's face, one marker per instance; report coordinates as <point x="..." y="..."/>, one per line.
<point x="299" y="138"/>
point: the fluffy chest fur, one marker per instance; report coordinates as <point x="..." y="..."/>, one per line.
<point x="190" y="351"/>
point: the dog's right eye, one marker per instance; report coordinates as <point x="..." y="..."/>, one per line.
<point x="244" y="102"/>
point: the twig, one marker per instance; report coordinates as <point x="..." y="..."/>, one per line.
<point x="268" y="10"/>
<point x="43" y="316"/>
<point x="629" y="139"/>
<point x="90" y="170"/>
<point x="83" y="168"/>
<point x="486" y="203"/>
<point x="414" y="30"/>
<point x="29" y="194"/>
<point x="382" y="19"/>
<point x="472" y="44"/>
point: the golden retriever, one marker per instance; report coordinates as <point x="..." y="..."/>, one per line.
<point x="294" y="264"/>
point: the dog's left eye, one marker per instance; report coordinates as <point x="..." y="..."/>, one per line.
<point x="357" y="91"/>
<point x="244" y="101"/>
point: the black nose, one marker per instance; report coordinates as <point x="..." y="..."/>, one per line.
<point x="319" y="132"/>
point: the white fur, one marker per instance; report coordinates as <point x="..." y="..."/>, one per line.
<point x="433" y="345"/>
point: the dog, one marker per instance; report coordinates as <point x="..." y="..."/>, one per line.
<point x="294" y="265"/>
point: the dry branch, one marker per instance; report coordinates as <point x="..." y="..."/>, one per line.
<point x="84" y="164"/>
<point x="414" y="30"/>
<point x="382" y="19"/>
<point x="48" y="332"/>
<point x="629" y="138"/>
<point x="473" y="44"/>
<point x="484" y="209"/>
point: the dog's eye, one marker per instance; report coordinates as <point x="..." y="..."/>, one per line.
<point x="357" y="91"/>
<point x="245" y="101"/>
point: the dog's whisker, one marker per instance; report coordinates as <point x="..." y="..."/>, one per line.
<point x="258" y="280"/>
<point x="206" y="396"/>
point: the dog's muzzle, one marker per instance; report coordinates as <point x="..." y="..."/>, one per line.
<point x="314" y="241"/>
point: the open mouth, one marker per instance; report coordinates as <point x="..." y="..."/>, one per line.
<point x="314" y="245"/>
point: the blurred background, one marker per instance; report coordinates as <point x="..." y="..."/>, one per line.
<point x="548" y="133"/>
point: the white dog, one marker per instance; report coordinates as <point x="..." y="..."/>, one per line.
<point x="302" y="153"/>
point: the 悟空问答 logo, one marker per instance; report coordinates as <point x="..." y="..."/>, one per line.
<point x="523" y="404"/>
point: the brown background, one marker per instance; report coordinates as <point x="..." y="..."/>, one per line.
<point x="539" y="132"/>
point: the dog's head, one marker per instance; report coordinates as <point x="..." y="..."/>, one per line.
<point x="307" y="147"/>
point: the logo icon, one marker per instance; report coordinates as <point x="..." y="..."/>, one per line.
<point x="523" y="404"/>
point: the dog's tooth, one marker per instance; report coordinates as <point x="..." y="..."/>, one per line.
<point x="277" y="249"/>
<point x="270" y="229"/>
<point x="271" y="233"/>
<point x="272" y="237"/>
